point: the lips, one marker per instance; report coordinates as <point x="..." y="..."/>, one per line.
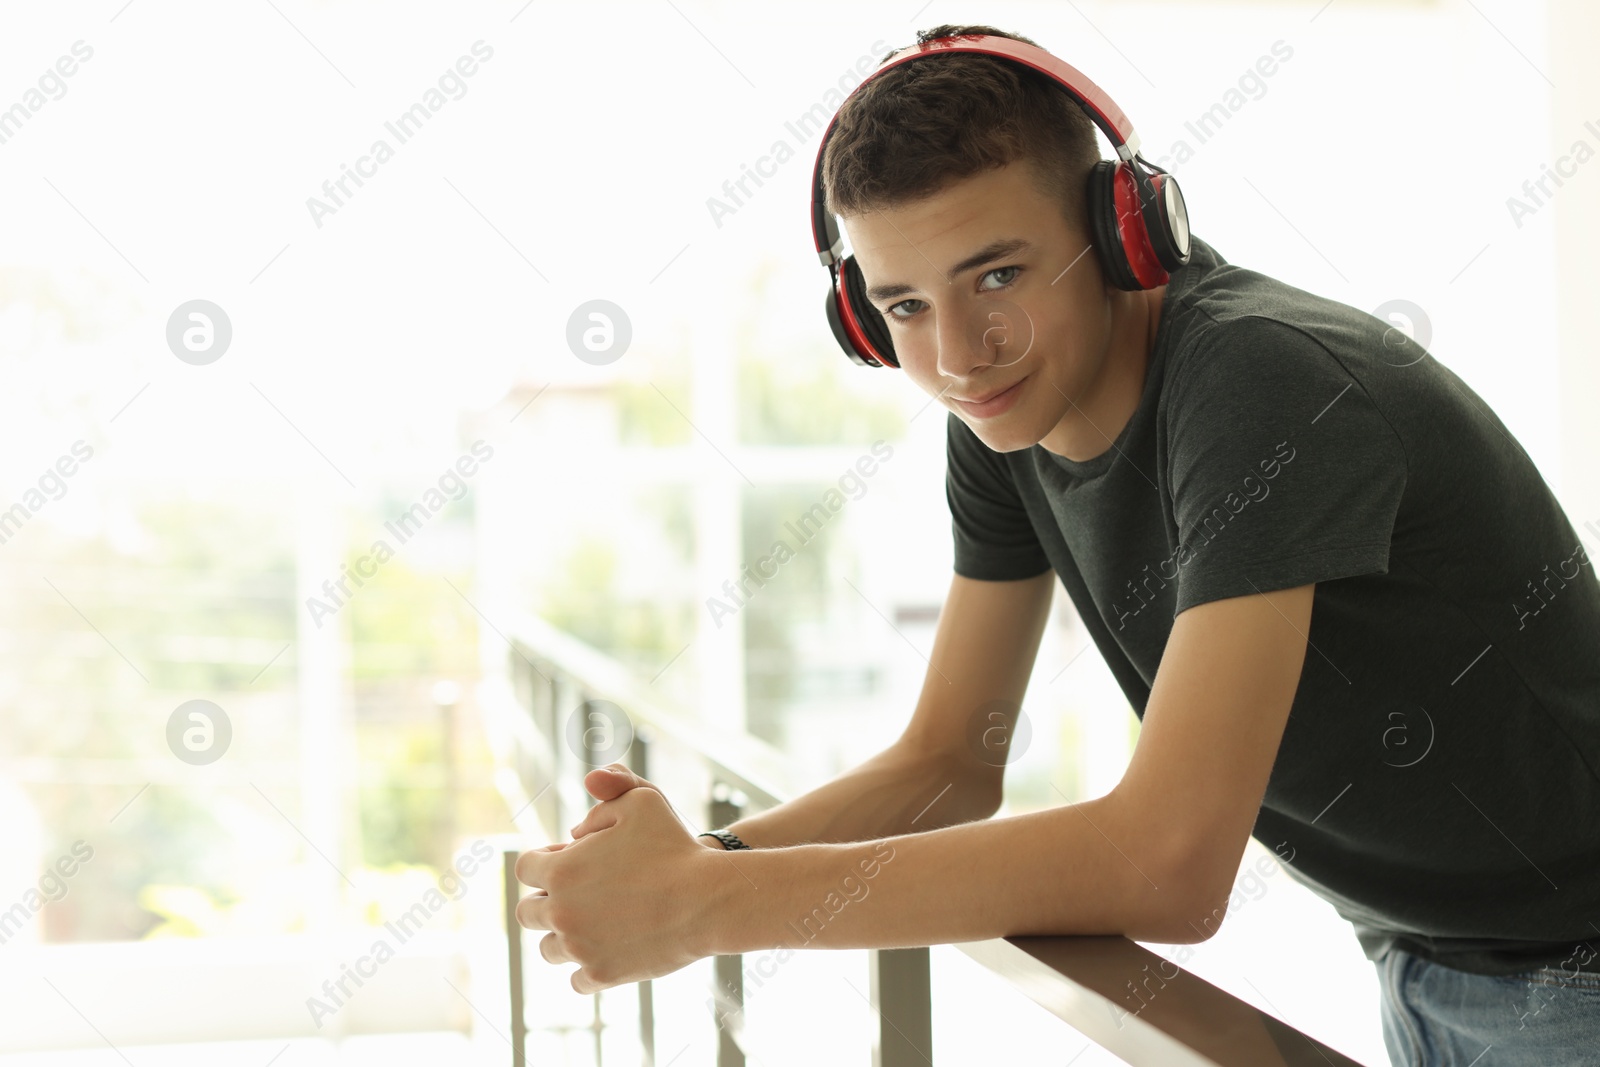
<point x="995" y="404"/>
<point x="984" y="399"/>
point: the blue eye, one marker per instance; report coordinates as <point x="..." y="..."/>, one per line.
<point x="894" y="310"/>
<point x="1000" y="270"/>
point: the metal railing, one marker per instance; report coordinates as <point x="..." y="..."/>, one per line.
<point x="1104" y="987"/>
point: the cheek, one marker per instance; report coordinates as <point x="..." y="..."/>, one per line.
<point x="918" y="367"/>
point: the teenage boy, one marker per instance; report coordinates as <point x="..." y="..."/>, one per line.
<point x="1351" y="616"/>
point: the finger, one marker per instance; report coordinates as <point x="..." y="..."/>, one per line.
<point x="599" y="817"/>
<point x="550" y="948"/>
<point x="533" y="911"/>
<point x="533" y="865"/>
<point x="583" y="983"/>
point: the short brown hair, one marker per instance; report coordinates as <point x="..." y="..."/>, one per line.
<point x="908" y="133"/>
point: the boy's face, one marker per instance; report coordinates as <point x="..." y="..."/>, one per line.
<point x="970" y="318"/>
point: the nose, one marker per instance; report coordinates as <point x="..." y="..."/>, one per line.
<point x="966" y="342"/>
<point x="990" y="333"/>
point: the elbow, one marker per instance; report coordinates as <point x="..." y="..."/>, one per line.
<point x="985" y="798"/>
<point x="1199" y="901"/>
<point x="974" y="802"/>
<point x="961" y="788"/>
<point x="975" y="794"/>
<point x="1179" y="877"/>
<point x="1191" y="902"/>
<point x="1189" y="923"/>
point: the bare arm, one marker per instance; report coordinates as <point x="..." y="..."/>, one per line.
<point x="983" y="653"/>
<point x="881" y="797"/>
<point x="1149" y="860"/>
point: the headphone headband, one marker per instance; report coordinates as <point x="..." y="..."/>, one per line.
<point x="1094" y="101"/>
<point x="1136" y="214"/>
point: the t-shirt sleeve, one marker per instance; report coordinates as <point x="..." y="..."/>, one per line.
<point x="1282" y="470"/>
<point x="994" y="538"/>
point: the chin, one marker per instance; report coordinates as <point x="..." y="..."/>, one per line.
<point x="1005" y="434"/>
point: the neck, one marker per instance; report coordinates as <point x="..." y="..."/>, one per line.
<point x="1094" y="419"/>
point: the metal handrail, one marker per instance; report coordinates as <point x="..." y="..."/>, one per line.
<point x="1145" y="1008"/>
<point x="1130" y="1001"/>
<point x="745" y="762"/>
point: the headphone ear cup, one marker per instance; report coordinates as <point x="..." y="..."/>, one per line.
<point x="1107" y="236"/>
<point x="1170" y="241"/>
<point x="840" y="334"/>
<point x="866" y="316"/>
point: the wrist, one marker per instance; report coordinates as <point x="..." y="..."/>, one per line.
<point x="719" y="925"/>
<point x="729" y="840"/>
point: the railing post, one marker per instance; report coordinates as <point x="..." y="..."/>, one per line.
<point x="727" y="805"/>
<point x="519" y="1018"/>
<point x="579" y="700"/>
<point x="902" y="997"/>
<point x="639" y="760"/>
<point x="546" y="721"/>
<point x="564" y="699"/>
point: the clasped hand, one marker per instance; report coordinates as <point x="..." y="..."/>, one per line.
<point x="627" y="899"/>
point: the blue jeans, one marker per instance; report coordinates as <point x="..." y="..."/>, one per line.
<point x="1437" y="1016"/>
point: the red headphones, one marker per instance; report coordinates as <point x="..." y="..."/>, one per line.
<point x="1138" y="222"/>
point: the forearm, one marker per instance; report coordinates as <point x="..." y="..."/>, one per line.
<point x="1077" y="869"/>
<point x="900" y="790"/>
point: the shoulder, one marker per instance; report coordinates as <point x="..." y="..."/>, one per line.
<point x="1304" y="364"/>
<point x="1299" y="357"/>
<point x="1239" y="326"/>
<point x="1264" y="340"/>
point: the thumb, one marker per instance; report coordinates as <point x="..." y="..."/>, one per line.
<point x="606" y="783"/>
<point x="611" y="781"/>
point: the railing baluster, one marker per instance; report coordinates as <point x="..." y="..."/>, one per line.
<point x="727" y="806"/>
<point x="577" y="698"/>
<point x="547" y="720"/>
<point x="519" y="1018"/>
<point x="639" y="760"/>
<point x="902" y="997"/>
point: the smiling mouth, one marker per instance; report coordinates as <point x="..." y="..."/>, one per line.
<point x="991" y="396"/>
<point x="995" y="404"/>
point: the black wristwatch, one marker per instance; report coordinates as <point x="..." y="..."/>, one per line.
<point x="729" y="840"/>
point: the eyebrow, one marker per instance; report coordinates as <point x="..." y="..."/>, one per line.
<point x="993" y="250"/>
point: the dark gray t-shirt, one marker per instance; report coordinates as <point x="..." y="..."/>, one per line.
<point x="1437" y="779"/>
